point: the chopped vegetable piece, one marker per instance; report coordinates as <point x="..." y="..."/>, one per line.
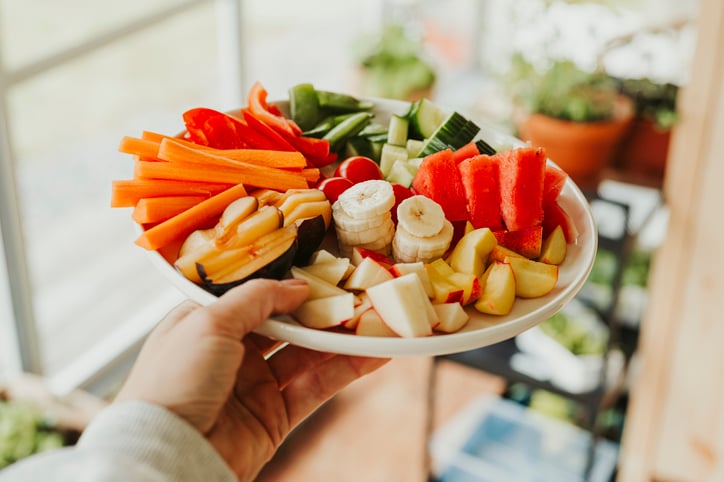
<point x="247" y="174"/>
<point x="157" y="209"/>
<point x="196" y="217"/>
<point x="127" y="193"/>
<point x="171" y="150"/>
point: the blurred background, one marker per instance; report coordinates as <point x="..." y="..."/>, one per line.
<point x="77" y="297"/>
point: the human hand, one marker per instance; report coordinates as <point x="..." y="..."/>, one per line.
<point x="206" y="365"/>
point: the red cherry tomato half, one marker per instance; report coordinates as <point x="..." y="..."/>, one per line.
<point x="332" y="187"/>
<point x="359" y="169"/>
<point x="401" y="193"/>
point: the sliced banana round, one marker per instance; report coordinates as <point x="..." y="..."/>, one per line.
<point x="407" y="247"/>
<point x="353" y="225"/>
<point x="383" y="231"/>
<point x="420" y="216"/>
<point x="367" y="199"/>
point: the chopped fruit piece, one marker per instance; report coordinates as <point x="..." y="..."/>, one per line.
<point x="439" y="179"/>
<point x="532" y="278"/>
<point x="479" y="175"/>
<point x="371" y="324"/>
<point x="451" y="317"/>
<point x="526" y="241"/>
<point x="554" y="247"/>
<point x="471" y="253"/>
<point x="326" y="312"/>
<point x="403" y="306"/>
<point x="498" y="293"/>
<point x="521" y="187"/>
<point x="366" y="275"/>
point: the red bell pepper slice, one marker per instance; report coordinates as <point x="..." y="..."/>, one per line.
<point x="271" y="136"/>
<point x="212" y="128"/>
<point x="270" y="116"/>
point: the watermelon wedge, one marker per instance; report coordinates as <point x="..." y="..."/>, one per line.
<point x="553" y="182"/>
<point x="526" y="241"/>
<point x="554" y="215"/>
<point x="479" y="176"/>
<point x="521" y="177"/>
<point x="438" y="178"/>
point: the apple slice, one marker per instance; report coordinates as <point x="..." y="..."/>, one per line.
<point x="326" y="312"/>
<point x="470" y="285"/>
<point x="362" y="304"/>
<point x="417" y="267"/>
<point x="451" y="317"/>
<point x="366" y="275"/>
<point x="498" y="289"/>
<point x="554" y="247"/>
<point x="500" y="252"/>
<point x="532" y="278"/>
<point x="318" y="287"/>
<point x="330" y="271"/>
<point x="444" y="291"/>
<point x="321" y="256"/>
<point x="371" y="324"/>
<point x="359" y="253"/>
<point x="470" y="254"/>
<point x="235" y="213"/>
<point x="403" y="307"/>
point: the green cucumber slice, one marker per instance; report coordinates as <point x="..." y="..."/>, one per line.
<point x="425" y="117"/>
<point x="454" y="132"/>
<point x="390" y="154"/>
<point x="336" y="102"/>
<point x="397" y="131"/>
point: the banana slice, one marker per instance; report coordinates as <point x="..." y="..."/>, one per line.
<point x="367" y="199"/>
<point x="407" y="247"/>
<point x="354" y="225"/>
<point x="384" y="231"/>
<point x="420" y="216"/>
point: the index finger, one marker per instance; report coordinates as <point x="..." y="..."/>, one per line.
<point x="242" y="309"/>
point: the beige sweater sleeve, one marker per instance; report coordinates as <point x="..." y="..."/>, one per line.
<point x="129" y="441"/>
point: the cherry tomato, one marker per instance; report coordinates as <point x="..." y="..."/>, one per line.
<point x="359" y="169"/>
<point x="401" y="193"/>
<point x="332" y="187"/>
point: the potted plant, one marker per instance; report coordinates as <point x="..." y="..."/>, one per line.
<point x="578" y="116"/>
<point x="392" y="64"/>
<point x="645" y="148"/>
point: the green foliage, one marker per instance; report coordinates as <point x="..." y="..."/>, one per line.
<point x="23" y="432"/>
<point x="652" y="100"/>
<point x="393" y="63"/>
<point x="562" y="90"/>
<point x="575" y="334"/>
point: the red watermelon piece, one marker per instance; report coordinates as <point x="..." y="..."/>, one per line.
<point x="527" y="241"/>
<point x="479" y="176"/>
<point x="438" y="178"/>
<point x="468" y="150"/>
<point x="553" y="182"/>
<point x="554" y="215"/>
<point x="522" y="172"/>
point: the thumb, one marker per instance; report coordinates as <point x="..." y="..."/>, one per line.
<point x="242" y="309"/>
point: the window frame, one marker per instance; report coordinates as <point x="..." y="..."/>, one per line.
<point x="98" y="370"/>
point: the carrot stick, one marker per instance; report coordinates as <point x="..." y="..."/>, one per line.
<point x="173" y="150"/>
<point x="127" y="193"/>
<point x="183" y="224"/>
<point x="158" y="209"/>
<point x="311" y="174"/>
<point x="142" y="148"/>
<point x="248" y="174"/>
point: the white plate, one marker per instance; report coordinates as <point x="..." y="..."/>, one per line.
<point x="481" y="330"/>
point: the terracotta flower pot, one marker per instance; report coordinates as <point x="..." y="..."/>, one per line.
<point x="582" y="149"/>
<point x="645" y="149"/>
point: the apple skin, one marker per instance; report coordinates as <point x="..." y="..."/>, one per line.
<point x="277" y="268"/>
<point x="359" y="253"/>
<point x="310" y="235"/>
